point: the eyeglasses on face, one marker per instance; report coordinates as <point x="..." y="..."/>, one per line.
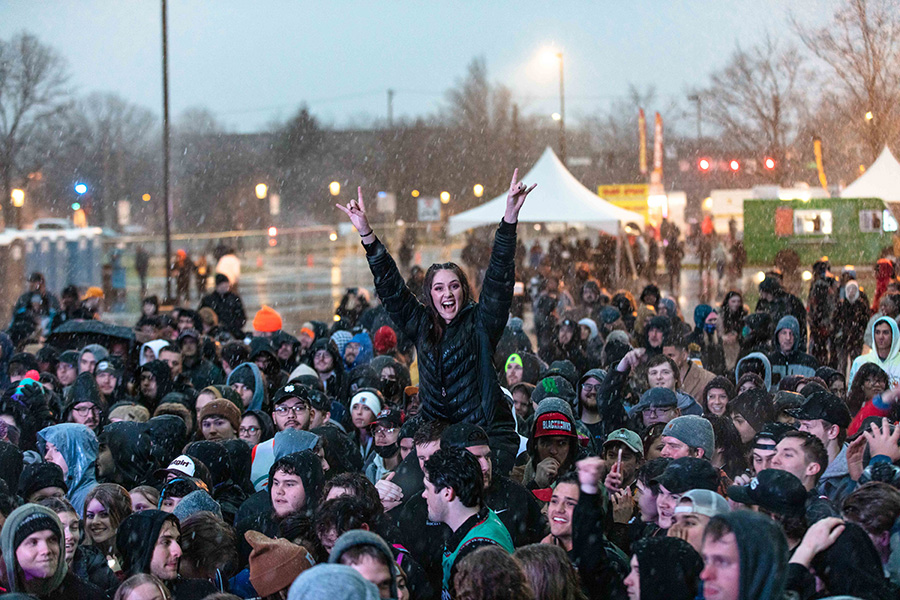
<point x="251" y="430"/>
<point x="283" y="410"/>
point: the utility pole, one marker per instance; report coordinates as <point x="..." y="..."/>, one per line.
<point x="696" y="98"/>
<point x="390" y="108"/>
<point x="562" y="112"/>
<point x="167" y="214"/>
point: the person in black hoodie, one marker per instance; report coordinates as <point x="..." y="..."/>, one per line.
<point x="147" y="541"/>
<point x="84" y="404"/>
<point x="455" y="336"/>
<point x="326" y="360"/>
<point x="746" y="557"/>
<point x="125" y="454"/>
<point x="155" y="381"/>
<point x="168" y="434"/>
<point x="841" y="555"/>
<point x="664" y="567"/>
<point x="263" y="354"/>
<point x="224" y="490"/>
<point x="566" y="345"/>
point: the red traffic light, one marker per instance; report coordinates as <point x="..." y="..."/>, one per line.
<point x="704" y="164"/>
<point x="769" y="162"/>
<point x="735" y="165"/>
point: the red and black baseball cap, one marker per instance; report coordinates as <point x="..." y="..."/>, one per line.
<point x="389" y="417"/>
<point x="554" y="423"/>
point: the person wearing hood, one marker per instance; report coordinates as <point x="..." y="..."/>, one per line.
<point x="335" y="582"/>
<point x="295" y="485"/>
<point x="150" y="350"/>
<point x="664" y="567"/>
<point x="155" y="381"/>
<point x="89" y="356"/>
<point x="756" y="363"/>
<point x="256" y="427"/>
<point x="84" y="403"/>
<point x="595" y="412"/>
<point x="745" y="556"/>
<point x="788" y="358"/>
<point x="708" y="339"/>
<point x="246" y="379"/>
<point x="287" y="350"/>
<point x="124" y="454"/>
<point x="553" y="446"/>
<point x="32" y="545"/>
<point x="371" y="556"/>
<point x="566" y="345"/>
<point x="779" y="303"/>
<point x="885" y="351"/>
<point x="224" y="490"/>
<point x="7" y="349"/>
<point x="455" y="337"/>
<point x="837" y="558"/>
<point x="148" y="542"/>
<point x="73" y="448"/>
<point x="358" y="351"/>
<point x="655" y="332"/>
<point x="168" y="435"/>
<point x="325" y="358"/>
<point x="263" y="354"/>
<point x="199" y="371"/>
<point x="750" y="411"/>
<point x="108" y="376"/>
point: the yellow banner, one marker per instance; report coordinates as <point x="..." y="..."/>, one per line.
<point x="820" y="166"/>
<point x="630" y="196"/>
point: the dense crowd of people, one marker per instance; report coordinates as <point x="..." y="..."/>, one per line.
<point x="423" y="445"/>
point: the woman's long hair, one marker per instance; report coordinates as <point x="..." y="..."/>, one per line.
<point x="437" y="322"/>
<point x="856" y="397"/>
<point x="117" y="502"/>
<point x="549" y="572"/>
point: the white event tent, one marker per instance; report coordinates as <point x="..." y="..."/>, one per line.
<point x="558" y="198"/>
<point x="881" y="180"/>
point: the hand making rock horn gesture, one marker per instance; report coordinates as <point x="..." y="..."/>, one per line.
<point x="518" y="191"/>
<point x="356" y="210"/>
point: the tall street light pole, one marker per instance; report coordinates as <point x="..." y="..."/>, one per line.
<point x="167" y="214"/>
<point x="562" y="111"/>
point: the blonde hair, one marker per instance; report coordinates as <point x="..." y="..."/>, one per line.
<point x="136" y="581"/>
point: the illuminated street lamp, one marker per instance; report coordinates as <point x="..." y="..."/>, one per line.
<point x="415" y="193"/>
<point x="18" y="198"/>
<point x="81" y="189"/>
<point x="869" y="116"/>
<point x="146" y="197"/>
<point x="261" y="190"/>
<point x="556" y="117"/>
<point x="548" y="54"/>
<point x="478" y="190"/>
<point x="445" y="197"/>
<point x="334" y="187"/>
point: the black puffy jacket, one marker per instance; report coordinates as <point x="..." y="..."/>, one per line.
<point x="457" y="379"/>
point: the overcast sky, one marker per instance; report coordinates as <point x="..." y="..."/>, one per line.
<point x="254" y="61"/>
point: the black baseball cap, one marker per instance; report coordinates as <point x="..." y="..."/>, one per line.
<point x="291" y="390"/>
<point x="773" y="490"/>
<point x="688" y="473"/>
<point x="825" y="406"/>
<point x="464" y="435"/>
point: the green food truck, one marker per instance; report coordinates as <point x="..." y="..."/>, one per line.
<point x="847" y="230"/>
